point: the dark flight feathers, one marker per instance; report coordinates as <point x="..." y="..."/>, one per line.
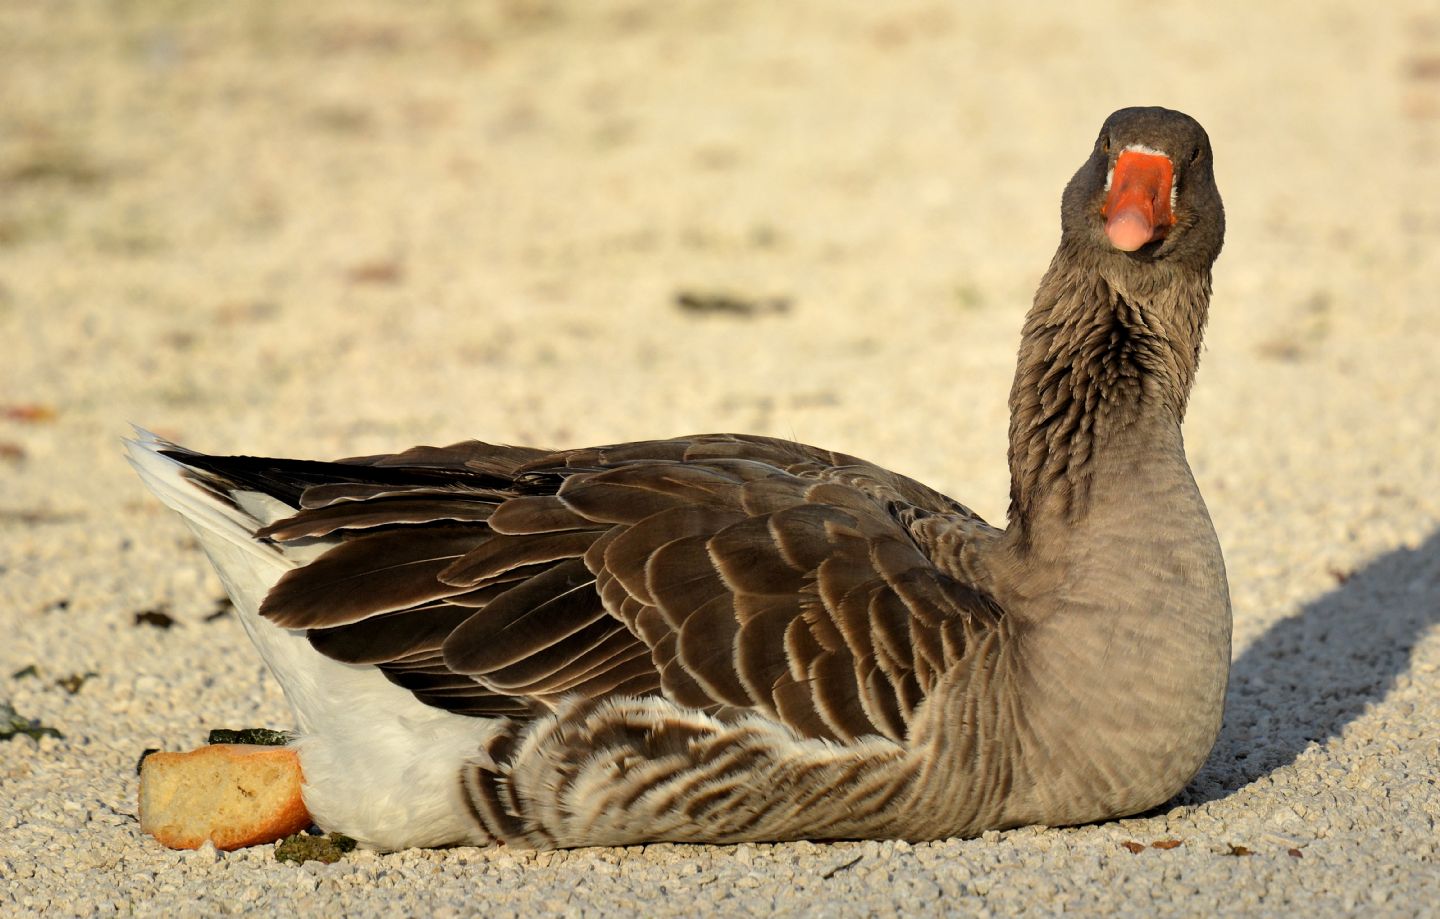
<point x="730" y="573"/>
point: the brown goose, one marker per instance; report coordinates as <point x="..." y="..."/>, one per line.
<point x="724" y="638"/>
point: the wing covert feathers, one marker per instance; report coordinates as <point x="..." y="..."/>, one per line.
<point x="728" y="574"/>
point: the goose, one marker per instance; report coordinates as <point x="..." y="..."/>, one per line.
<point x="727" y="638"/>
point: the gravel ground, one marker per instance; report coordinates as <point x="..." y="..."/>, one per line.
<point x="323" y="230"/>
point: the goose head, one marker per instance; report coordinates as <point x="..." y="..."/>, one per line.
<point x="1147" y="192"/>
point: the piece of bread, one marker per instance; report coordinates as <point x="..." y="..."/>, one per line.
<point x="234" y="795"/>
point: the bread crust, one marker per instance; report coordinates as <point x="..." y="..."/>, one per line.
<point x="234" y="795"/>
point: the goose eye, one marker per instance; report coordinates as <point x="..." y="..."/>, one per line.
<point x="1105" y="145"/>
<point x="1195" y="155"/>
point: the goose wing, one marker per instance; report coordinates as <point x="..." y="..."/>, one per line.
<point x="728" y="573"/>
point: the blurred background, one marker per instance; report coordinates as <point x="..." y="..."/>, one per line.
<point x="338" y="229"/>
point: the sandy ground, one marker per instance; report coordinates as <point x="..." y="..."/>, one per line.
<point x="369" y="225"/>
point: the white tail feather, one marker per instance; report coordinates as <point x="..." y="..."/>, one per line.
<point x="248" y="567"/>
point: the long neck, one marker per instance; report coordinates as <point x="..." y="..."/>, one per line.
<point x="1110" y="559"/>
<point x="1107" y="354"/>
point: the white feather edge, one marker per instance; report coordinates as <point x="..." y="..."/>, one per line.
<point x="380" y="766"/>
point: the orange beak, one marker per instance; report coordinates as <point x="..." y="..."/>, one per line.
<point x="1137" y="209"/>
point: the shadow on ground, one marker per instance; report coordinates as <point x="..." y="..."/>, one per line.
<point x="1310" y="675"/>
